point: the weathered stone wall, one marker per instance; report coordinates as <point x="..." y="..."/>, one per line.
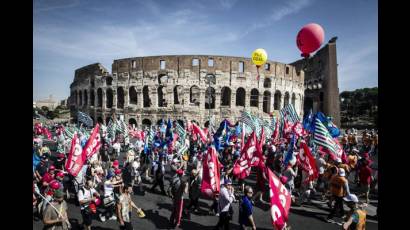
<point x="182" y="74"/>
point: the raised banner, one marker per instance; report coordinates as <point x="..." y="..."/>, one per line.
<point x="76" y="158"/>
<point x="210" y="184"/>
<point x="280" y="199"/>
<point x="93" y="143"/>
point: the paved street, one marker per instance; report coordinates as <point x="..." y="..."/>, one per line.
<point x="158" y="210"/>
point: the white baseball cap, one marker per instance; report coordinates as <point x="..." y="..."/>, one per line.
<point x="342" y="172"/>
<point x="351" y="198"/>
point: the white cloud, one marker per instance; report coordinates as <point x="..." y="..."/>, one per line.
<point x="278" y="12"/>
<point x="227" y="4"/>
<point x="49" y="5"/>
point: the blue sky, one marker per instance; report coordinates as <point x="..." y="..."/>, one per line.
<point x="69" y="34"/>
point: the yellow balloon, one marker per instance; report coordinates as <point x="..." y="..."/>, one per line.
<point x="259" y="57"/>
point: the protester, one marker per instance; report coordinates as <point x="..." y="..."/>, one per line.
<point x="124" y="208"/>
<point x="194" y="190"/>
<point x="225" y="209"/>
<point x="179" y="187"/>
<point x="246" y="209"/>
<point x="339" y="188"/>
<point x="55" y="215"/>
<point x="357" y="219"/>
<point x="86" y="196"/>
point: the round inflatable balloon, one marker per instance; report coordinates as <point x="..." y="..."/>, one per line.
<point x="259" y="57"/>
<point x="310" y="38"/>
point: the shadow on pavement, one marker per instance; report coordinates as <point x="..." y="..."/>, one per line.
<point x="159" y="221"/>
<point x="321" y="217"/>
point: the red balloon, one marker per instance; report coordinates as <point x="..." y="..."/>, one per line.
<point x="310" y="38"/>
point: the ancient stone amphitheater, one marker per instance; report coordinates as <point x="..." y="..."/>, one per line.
<point x="145" y="90"/>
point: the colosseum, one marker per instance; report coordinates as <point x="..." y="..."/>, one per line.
<point x="145" y="90"/>
<point x="195" y="87"/>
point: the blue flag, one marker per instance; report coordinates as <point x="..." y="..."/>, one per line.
<point x="333" y="130"/>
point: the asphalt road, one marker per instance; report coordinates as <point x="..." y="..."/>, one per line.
<point x="158" y="210"/>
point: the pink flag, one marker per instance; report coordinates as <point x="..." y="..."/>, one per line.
<point x="76" y="157"/>
<point x="210" y="173"/>
<point x="197" y="130"/>
<point x="93" y="143"/>
<point x="279" y="200"/>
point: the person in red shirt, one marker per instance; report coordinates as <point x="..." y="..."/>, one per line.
<point x="365" y="178"/>
<point x="48" y="177"/>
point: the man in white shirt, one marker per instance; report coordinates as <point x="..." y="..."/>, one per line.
<point x="226" y="197"/>
<point x="117" y="147"/>
<point x="87" y="195"/>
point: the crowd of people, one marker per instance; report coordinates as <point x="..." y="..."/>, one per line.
<point x="104" y="185"/>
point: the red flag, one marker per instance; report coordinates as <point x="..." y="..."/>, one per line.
<point x="280" y="199"/>
<point x="93" y="143"/>
<point x="197" y="130"/>
<point x="308" y="162"/>
<point x="298" y="129"/>
<point x="210" y="184"/>
<point x="259" y="153"/>
<point x="47" y="133"/>
<point x="249" y="157"/>
<point x="76" y="157"/>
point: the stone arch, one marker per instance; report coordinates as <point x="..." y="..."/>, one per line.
<point x="120" y="97"/>
<point x="206" y="124"/>
<point x="107" y="120"/>
<point x="266" y="101"/>
<point x="210" y="98"/>
<point x="109" y="81"/>
<point x="145" y="95"/>
<point x="162" y="79"/>
<point x="178" y="94"/>
<point x="162" y="120"/>
<point x="109" y="96"/>
<point x="162" y="102"/>
<point x="133" y="98"/>
<point x="146" y="122"/>
<point x="226" y="96"/>
<point x="254" y="98"/>
<point x="99" y="97"/>
<point x="194" y="95"/>
<point x="277" y="100"/>
<point x="267" y="83"/>
<point x="92" y="98"/>
<point x="132" y="121"/>
<point x="240" y="96"/>
<point x="100" y="120"/>
<point x="286" y="99"/>
<point x="293" y="100"/>
<point x="85" y="97"/>
<point x="81" y="98"/>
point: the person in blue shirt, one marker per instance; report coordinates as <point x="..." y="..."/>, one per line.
<point x="246" y="209"/>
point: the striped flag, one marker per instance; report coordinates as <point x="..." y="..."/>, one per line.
<point x="85" y="119"/>
<point x="290" y="112"/>
<point x="181" y="132"/>
<point x="324" y="139"/>
<point x="111" y="129"/>
<point x="246" y="118"/>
